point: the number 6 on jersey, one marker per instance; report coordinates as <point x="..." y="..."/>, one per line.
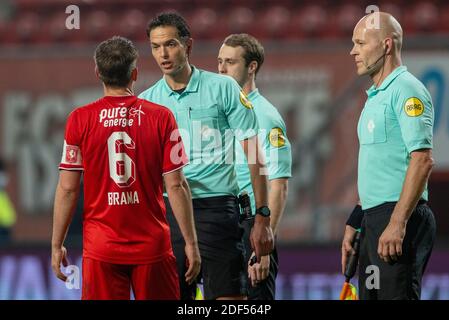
<point x="122" y="168"/>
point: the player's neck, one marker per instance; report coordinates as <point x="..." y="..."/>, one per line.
<point x="389" y="66"/>
<point x="249" y="86"/>
<point x="181" y="79"/>
<point x="111" y="92"/>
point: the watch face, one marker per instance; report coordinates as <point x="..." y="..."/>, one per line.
<point x="264" y="211"/>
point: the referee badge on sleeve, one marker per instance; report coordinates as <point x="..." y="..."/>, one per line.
<point x="414" y="107"/>
<point x="245" y="101"/>
<point x="276" y="137"/>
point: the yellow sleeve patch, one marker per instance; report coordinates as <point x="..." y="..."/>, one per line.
<point x="245" y="101"/>
<point x="414" y="107"/>
<point x="277" y="137"/>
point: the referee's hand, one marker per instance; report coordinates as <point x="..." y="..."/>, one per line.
<point x="262" y="240"/>
<point x="346" y="247"/>
<point x="390" y="242"/>
<point x="194" y="262"/>
<point x="258" y="272"/>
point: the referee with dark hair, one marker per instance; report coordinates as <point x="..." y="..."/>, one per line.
<point x="395" y="161"/>
<point x="212" y="112"/>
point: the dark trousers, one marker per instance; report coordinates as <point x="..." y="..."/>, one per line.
<point x="220" y="244"/>
<point x="400" y="280"/>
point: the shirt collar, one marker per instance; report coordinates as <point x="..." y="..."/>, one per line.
<point x="389" y="79"/>
<point x="122" y="100"/>
<point x="253" y="94"/>
<point x="193" y="84"/>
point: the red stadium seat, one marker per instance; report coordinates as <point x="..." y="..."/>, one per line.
<point x="97" y="25"/>
<point x="309" y="21"/>
<point x="415" y="12"/>
<point x="55" y="28"/>
<point x="346" y="18"/>
<point x="313" y="20"/>
<point x="27" y="26"/>
<point x="40" y="22"/>
<point x="203" y="23"/>
<point x="250" y="4"/>
<point x="240" y="19"/>
<point x="393" y="9"/>
<point x="167" y="8"/>
<point x="425" y="16"/>
<point x="133" y="24"/>
<point x="273" y="22"/>
<point x="444" y="19"/>
<point x="4" y="26"/>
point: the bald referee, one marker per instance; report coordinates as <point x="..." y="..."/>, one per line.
<point x="395" y="161"/>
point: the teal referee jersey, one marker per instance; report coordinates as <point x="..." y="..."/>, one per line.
<point x="273" y="139"/>
<point x="396" y="120"/>
<point x="211" y="112"/>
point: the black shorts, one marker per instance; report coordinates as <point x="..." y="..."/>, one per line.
<point x="266" y="289"/>
<point x="400" y="279"/>
<point x="221" y="248"/>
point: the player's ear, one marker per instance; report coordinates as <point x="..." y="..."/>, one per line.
<point x="97" y="73"/>
<point x="388" y="45"/>
<point x="134" y="74"/>
<point x="253" y="67"/>
<point x="189" y="44"/>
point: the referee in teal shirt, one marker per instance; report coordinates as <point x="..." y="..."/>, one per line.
<point x="241" y="56"/>
<point x="395" y="161"/>
<point x="211" y="111"/>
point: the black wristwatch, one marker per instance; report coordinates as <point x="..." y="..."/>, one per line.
<point x="263" y="211"/>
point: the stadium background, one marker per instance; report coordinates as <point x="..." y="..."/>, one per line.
<point x="46" y="70"/>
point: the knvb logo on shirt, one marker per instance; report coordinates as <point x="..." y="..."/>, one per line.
<point x="371" y="126"/>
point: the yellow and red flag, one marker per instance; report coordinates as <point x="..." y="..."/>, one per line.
<point x="348" y="292"/>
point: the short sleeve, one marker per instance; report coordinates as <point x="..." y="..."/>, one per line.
<point x="278" y="151"/>
<point x="72" y="158"/>
<point x="174" y="155"/>
<point x="239" y="111"/>
<point x="414" y="111"/>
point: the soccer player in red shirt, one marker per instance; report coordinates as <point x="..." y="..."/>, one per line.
<point x="126" y="149"/>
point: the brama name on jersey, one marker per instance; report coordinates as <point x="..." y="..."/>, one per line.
<point x="123" y="198"/>
<point x="120" y="116"/>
